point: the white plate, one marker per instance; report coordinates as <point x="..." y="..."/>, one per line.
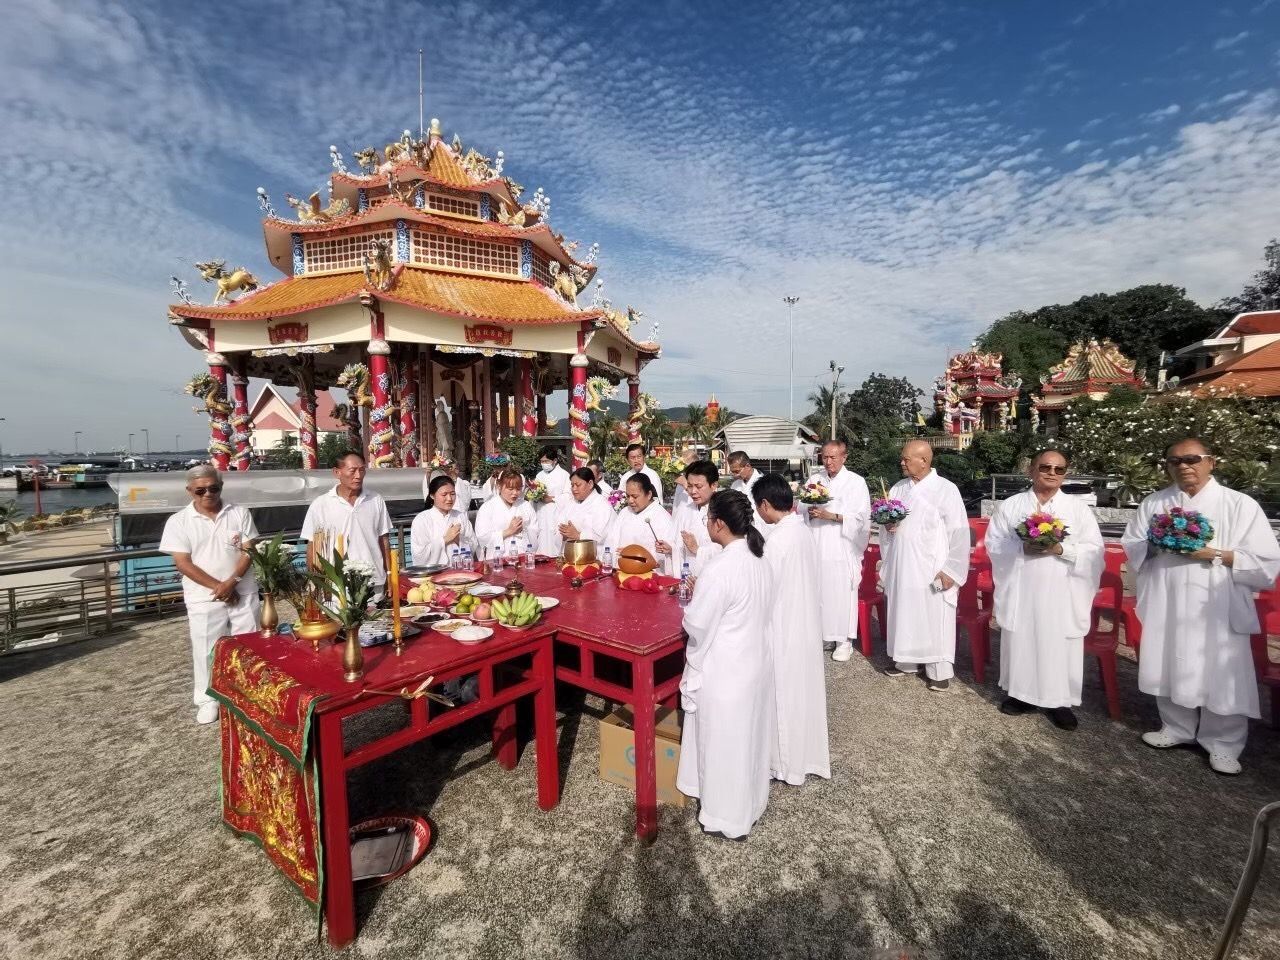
<point x="471" y="634"/>
<point x="486" y="590"/>
<point x="447" y="627"/>
<point x="548" y="603"/>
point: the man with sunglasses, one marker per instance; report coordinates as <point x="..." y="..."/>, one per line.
<point x="1044" y="595"/>
<point x="207" y="540"/>
<point x="1197" y="610"/>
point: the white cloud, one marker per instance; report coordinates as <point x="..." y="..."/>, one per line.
<point x="1226" y="43"/>
<point x="1073" y="146"/>
<point x="1164" y="113"/>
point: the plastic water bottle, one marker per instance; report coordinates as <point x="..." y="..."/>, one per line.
<point x="467" y="562"/>
<point x="513" y="553"/>
<point x="455" y="555"/>
<point x="529" y="561"/>
<point x="682" y="592"/>
<point x="606" y="563"/>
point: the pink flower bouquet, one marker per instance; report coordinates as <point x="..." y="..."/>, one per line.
<point x="1180" y="531"/>
<point x="617" y="500"/>
<point x="815" y="493"/>
<point x="1042" y="529"/>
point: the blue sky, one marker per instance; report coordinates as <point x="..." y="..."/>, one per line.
<point x="910" y="170"/>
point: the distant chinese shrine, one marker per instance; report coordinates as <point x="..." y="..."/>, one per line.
<point x="1091" y="369"/>
<point x="422" y="283"/>
<point x="975" y="395"/>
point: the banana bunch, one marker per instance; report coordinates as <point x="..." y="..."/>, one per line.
<point x="518" y="612"/>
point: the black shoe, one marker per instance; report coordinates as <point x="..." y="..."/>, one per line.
<point x="720" y="836"/>
<point x="1015" y="707"/>
<point x="938" y="686"/>
<point x="828" y="645"/>
<point x="1062" y="718"/>
<point x="893" y="671"/>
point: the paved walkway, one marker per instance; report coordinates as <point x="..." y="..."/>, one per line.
<point x="947" y="827"/>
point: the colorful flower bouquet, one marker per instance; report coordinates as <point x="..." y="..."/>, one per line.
<point x="617" y="500"/>
<point x="440" y="461"/>
<point x="1042" y="529"/>
<point x="1180" y="531"/>
<point x="887" y="511"/>
<point x="536" y="492"/>
<point x="814" y="494"/>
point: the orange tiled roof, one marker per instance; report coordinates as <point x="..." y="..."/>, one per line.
<point x="444" y="167"/>
<point x="1257" y="373"/>
<point x="1260" y="322"/>
<point x="453" y="294"/>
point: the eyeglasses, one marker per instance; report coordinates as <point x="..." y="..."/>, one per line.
<point x="205" y="491"/>
<point x="1189" y="460"/>
<point x="1054" y="468"/>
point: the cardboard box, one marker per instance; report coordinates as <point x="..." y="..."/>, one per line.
<point x="618" y="752"/>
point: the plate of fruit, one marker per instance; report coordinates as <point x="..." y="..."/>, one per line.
<point x="477" y="608"/>
<point x="456" y="578"/>
<point x="443" y="598"/>
<point x="519" y="612"/>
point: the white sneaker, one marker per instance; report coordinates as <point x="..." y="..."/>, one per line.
<point x="208" y="713"/>
<point x="842" y="652"/>
<point x="1221" y="763"/>
<point x="1162" y="739"/>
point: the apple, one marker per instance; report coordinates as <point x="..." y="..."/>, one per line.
<point x="483" y="612"/>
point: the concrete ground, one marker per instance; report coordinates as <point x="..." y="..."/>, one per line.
<point x="947" y="828"/>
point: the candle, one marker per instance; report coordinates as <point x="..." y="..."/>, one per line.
<point x="394" y="583"/>
<point x="341" y="545"/>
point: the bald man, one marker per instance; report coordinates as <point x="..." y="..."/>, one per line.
<point x="926" y="558"/>
<point x="841" y="529"/>
<point x="1197" y="610"/>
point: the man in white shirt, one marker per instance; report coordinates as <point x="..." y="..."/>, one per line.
<point x="206" y="539"/>
<point x="744" y="478"/>
<point x="635" y="457"/>
<point x="357" y="520"/>
<point x="841" y="529"/>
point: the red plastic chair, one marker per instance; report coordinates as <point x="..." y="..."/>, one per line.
<point x="869" y="598"/>
<point x="978" y="554"/>
<point x="1103" y="647"/>
<point x="975" y="618"/>
<point x="1268" y="671"/>
<point x="1110" y="599"/>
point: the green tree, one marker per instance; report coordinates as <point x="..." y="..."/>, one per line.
<point x="9" y="514"/>
<point x="1028" y="348"/>
<point x="880" y="397"/>
<point x="994" y="451"/>
<point x="606" y="432"/>
<point x="331" y="445"/>
<point x="819" y="419"/>
<point x="285" y="455"/>
<point x="657" y="430"/>
<point x="1264" y="292"/>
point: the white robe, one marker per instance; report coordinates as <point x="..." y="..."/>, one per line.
<point x="557" y="484"/>
<point x="840" y="549"/>
<point x="679" y="498"/>
<point x="933" y="538"/>
<point x="692" y="519"/>
<point x="649" y="472"/>
<point x="1197" y="618"/>
<point x="745" y="490"/>
<point x="593" y="517"/>
<point x="1044" y="603"/>
<point x="462" y="487"/>
<point x="427" y="536"/>
<point x="795" y="629"/>
<point x="726" y="691"/>
<point x="494" y="517"/>
<point x="630" y="527"/>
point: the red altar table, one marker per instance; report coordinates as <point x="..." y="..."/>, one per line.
<point x="279" y="690"/>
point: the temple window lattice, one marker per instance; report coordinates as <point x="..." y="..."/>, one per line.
<point x="439" y="249"/>
<point x="454" y="206"/>
<point x="342" y="253"/>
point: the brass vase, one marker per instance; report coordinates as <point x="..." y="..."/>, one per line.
<point x="352" y="656"/>
<point x="268" y="619"/>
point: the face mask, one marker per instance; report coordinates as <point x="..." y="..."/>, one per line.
<point x="547" y="467"/>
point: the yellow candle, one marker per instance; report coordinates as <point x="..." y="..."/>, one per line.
<point x="394" y="580"/>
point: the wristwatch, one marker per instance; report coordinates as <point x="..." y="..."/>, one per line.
<point x="1217" y="558"/>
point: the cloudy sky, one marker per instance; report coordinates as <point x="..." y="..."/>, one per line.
<point x="910" y="170"/>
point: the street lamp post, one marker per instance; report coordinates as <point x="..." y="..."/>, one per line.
<point x="2" y="449"/>
<point x="131" y="444"/>
<point x="791" y="363"/>
<point x="835" y="390"/>
<point x="78" y="435"/>
<point x="176" y="445"/>
<point x="147" y="435"/>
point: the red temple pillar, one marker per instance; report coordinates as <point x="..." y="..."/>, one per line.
<point x="380" y="432"/>
<point x="240" y="427"/>
<point x="408" y="369"/>
<point x="219" y="422"/>
<point x="633" y="400"/>
<point x="578" y="418"/>
<point x="528" y="409"/>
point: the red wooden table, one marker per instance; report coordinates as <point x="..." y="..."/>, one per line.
<point x="623" y="645"/>
<point x="505" y="676"/>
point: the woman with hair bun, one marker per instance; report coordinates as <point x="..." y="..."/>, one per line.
<point x="437" y="530"/>
<point x="727" y="687"/>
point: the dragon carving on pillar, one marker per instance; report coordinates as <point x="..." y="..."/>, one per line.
<point x="640" y="417"/>
<point x="355" y="380"/>
<point x="207" y="387"/>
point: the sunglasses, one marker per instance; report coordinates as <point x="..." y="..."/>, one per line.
<point x="1053" y="468"/>
<point x="204" y="491"/>
<point x="1190" y="460"/>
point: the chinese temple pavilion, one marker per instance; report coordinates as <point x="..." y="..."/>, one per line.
<point x="423" y="283"/>
<point x="975" y="395"/>
<point x="1090" y="369"/>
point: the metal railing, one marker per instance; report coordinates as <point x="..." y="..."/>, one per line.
<point x="122" y="586"/>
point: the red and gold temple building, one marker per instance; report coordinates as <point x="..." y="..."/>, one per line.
<point x="424" y="284"/>
<point x="1090" y="369"/>
<point x="975" y="395"/>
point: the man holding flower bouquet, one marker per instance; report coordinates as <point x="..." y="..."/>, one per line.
<point x="1046" y="559"/>
<point x="1200" y="551"/>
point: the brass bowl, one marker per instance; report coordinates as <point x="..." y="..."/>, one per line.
<point x="316" y="632"/>
<point x="579" y="552"/>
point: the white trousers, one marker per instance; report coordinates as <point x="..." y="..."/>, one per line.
<point x="1213" y="731"/>
<point x="209" y="620"/>
<point x="938" y="670"/>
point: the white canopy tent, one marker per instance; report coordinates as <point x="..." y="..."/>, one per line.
<point x="772" y="443"/>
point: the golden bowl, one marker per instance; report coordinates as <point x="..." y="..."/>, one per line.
<point x="316" y="632"/>
<point x="579" y="552"/>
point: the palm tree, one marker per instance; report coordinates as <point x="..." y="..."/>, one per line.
<point x="696" y="423"/>
<point x="604" y="432"/>
<point x="657" y="431"/>
<point x="8" y="514"/>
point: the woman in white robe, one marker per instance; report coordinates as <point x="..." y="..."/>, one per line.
<point x="801" y="747"/>
<point x="506" y="517"/>
<point x="726" y="689"/>
<point x="584" y="514"/>
<point x="1044" y="597"/>
<point x="440" y="528"/>
<point x="1197" y="610"/>
<point x="556" y="480"/>
<point x="643" y="521"/>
